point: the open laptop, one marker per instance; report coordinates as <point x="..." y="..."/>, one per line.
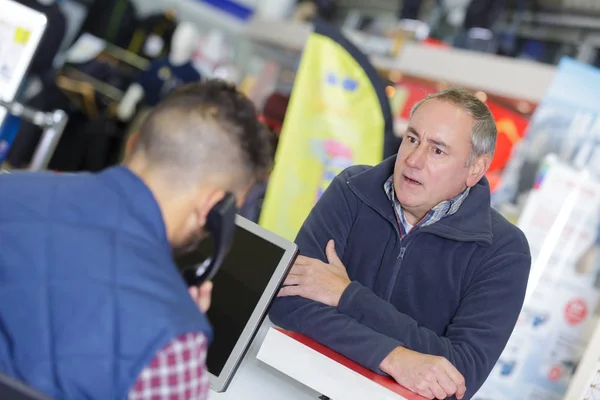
<point x="244" y="288"/>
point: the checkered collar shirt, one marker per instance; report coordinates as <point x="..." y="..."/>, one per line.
<point x="441" y="210"/>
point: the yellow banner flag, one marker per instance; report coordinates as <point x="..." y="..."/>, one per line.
<point x="337" y="117"/>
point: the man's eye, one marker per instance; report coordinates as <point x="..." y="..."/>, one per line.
<point x="412" y="139"/>
<point x="438" y="152"/>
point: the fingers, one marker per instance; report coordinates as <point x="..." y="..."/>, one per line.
<point x="202" y="295"/>
<point x="302" y="260"/>
<point x="204" y="303"/>
<point x="299" y="270"/>
<point x="446" y="384"/>
<point x="438" y="392"/>
<point x="460" y="391"/>
<point x="431" y="387"/>
<point x="331" y="254"/>
<point x="424" y="391"/>
<point x="205" y="296"/>
<point x="290" y="291"/>
<point x="293" y="279"/>
<point x="206" y="287"/>
<point x="457" y="379"/>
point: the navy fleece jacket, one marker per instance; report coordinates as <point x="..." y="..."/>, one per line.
<point x="452" y="289"/>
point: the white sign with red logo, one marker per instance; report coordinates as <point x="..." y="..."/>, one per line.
<point x="561" y="222"/>
<point x="576" y="311"/>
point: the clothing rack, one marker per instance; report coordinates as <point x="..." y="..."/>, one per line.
<point x="85" y="91"/>
<point x="53" y="124"/>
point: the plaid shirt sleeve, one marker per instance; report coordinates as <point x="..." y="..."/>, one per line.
<point x="177" y="372"/>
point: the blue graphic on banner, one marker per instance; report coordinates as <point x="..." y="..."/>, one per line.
<point x="349" y="84"/>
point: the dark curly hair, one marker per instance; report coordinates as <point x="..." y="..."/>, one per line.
<point x="206" y="129"/>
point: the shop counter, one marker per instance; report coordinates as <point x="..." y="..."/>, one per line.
<point x="255" y="380"/>
<point x="325" y="371"/>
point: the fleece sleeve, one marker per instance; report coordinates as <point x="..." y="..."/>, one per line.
<point x="480" y="328"/>
<point x="331" y="218"/>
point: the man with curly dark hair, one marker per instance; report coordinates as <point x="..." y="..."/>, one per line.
<point x="91" y="303"/>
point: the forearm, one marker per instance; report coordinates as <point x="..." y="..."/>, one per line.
<point x="464" y="352"/>
<point x="370" y="310"/>
<point x="331" y="219"/>
<point x="333" y="329"/>
<point x="474" y="338"/>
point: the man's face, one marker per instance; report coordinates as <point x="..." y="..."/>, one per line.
<point x="432" y="161"/>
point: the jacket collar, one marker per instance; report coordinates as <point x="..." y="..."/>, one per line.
<point x="471" y="223"/>
<point x="141" y="203"/>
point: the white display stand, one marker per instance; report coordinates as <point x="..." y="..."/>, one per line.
<point x="21" y="30"/>
<point x="278" y="366"/>
<point x="320" y="372"/>
<point x="255" y="380"/>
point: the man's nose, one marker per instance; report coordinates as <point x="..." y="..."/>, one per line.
<point x="416" y="159"/>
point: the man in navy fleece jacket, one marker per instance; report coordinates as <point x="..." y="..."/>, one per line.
<point x="405" y="268"/>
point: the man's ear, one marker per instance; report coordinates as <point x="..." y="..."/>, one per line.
<point x="477" y="169"/>
<point x="205" y="201"/>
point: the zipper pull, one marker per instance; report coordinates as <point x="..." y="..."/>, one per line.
<point x="402" y="251"/>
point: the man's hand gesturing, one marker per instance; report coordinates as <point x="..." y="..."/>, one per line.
<point x="318" y="281"/>
<point x="432" y="377"/>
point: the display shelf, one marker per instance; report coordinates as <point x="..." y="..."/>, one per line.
<point x="202" y="13"/>
<point x="576" y="28"/>
<point x="498" y="75"/>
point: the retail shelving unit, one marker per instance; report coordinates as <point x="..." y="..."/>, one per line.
<point x="502" y="76"/>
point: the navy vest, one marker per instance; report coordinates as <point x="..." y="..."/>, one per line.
<point x="88" y="289"/>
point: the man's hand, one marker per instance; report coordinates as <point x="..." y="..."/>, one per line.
<point x="202" y="295"/>
<point x="315" y="280"/>
<point x="432" y="377"/>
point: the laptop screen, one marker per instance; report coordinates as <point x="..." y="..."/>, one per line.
<point x="238" y="287"/>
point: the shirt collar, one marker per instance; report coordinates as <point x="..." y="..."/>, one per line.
<point x="439" y="211"/>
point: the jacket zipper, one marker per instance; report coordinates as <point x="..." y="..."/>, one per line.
<point x="403" y="248"/>
<point x="404" y="243"/>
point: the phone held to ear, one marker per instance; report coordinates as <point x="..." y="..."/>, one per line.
<point x="220" y="225"/>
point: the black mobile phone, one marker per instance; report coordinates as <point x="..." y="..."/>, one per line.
<point x="197" y="267"/>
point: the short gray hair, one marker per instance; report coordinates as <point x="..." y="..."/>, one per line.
<point x="484" y="132"/>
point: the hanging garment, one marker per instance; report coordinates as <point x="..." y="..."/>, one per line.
<point x="112" y="20"/>
<point x="162" y="78"/>
<point x="152" y="38"/>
